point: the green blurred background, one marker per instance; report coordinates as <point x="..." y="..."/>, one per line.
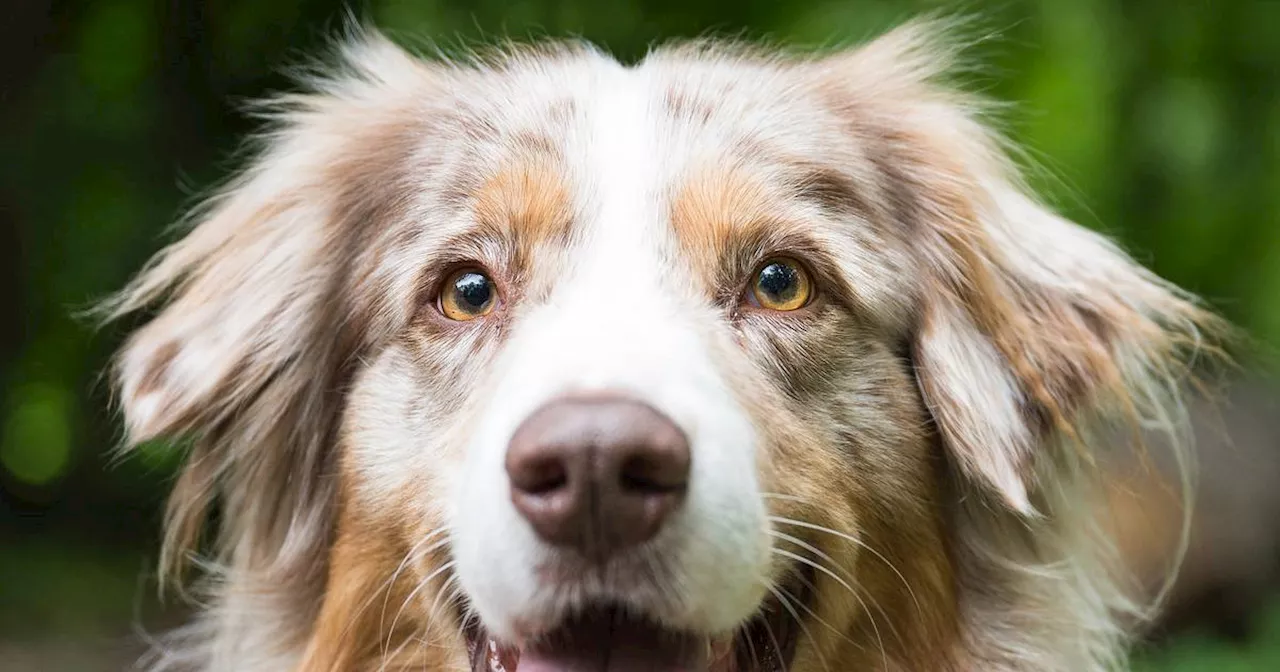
<point x="1155" y="120"/>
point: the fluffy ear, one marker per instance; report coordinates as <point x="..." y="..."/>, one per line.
<point x="257" y="322"/>
<point x="1029" y="325"/>
<point x="252" y="286"/>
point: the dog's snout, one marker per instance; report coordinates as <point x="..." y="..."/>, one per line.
<point x="597" y="474"/>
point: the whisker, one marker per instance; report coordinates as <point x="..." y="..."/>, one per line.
<point x="415" y="553"/>
<point x="850" y="538"/>
<point x="751" y="647"/>
<point x="768" y="630"/>
<point x="423" y="642"/>
<point x="454" y="588"/>
<point x="806" y="561"/>
<point x="816" y="565"/>
<point x="832" y="561"/>
<point x="812" y="549"/>
<point x="781" y="596"/>
<point x="800" y="603"/>
<point x="405" y="602"/>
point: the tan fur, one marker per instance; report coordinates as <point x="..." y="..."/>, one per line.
<point x="531" y="199"/>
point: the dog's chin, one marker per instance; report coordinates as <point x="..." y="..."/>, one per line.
<point x="606" y="637"/>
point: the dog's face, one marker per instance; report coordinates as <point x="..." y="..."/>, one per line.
<point x="679" y="365"/>
<point x="652" y="320"/>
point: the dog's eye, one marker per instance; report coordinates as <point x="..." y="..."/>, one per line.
<point x="466" y="295"/>
<point x="781" y="284"/>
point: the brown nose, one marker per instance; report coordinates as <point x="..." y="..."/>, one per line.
<point x="597" y="474"/>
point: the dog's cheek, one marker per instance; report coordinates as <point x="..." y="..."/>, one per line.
<point x="386" y="590"/>
<point x="402" y="428"/>
<point x="904" y="567"/>
<point x="399" y="453"/>
<point x="847" y="451"/>
<point x="805" y="477"/>
<point x="813" y="498"/>
<point x="383" y="452"/>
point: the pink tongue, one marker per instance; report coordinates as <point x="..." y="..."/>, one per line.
<point x="605" y="643"/>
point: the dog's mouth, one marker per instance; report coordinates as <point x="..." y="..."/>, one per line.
<point x="605" y="638"/>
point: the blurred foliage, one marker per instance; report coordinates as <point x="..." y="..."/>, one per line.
<point x="1198" y="652"/>
<point x="1155" y="121"/>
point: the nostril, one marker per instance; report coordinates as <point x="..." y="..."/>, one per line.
<point x="648" y="473"/>
<point x="540" y="476"/>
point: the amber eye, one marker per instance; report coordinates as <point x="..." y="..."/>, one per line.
<point x="466" y="295"/>
<point x="782" y="284"/>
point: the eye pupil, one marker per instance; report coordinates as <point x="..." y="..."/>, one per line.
<point x="778" y="281"/>
<point x="467" y="295"/>
<point x="781" y="285"/>
<point x="473" y="290"/>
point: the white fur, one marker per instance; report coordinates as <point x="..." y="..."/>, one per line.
<point x="617" y="322"/>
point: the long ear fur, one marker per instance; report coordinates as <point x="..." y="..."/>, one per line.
<point x="248" y="354"/>
<point x="1033" y="335"/>
<point x="1029" y="323"/>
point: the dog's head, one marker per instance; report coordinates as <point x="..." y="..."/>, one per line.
<point x="721" y="359"/>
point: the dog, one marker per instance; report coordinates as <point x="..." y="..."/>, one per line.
<point x="732" y="360"/>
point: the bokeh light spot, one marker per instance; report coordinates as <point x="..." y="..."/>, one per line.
<point x="36" y="449"/>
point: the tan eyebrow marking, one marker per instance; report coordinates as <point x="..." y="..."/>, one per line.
<point x="713" y="207"/>
<point x="528" y="200"/>
<point x="727" y="221"/>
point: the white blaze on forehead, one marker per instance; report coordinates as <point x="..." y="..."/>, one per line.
<point x="617" y="321"/>
<point x="612" y="320"/>
<point x="621" y="166"/>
